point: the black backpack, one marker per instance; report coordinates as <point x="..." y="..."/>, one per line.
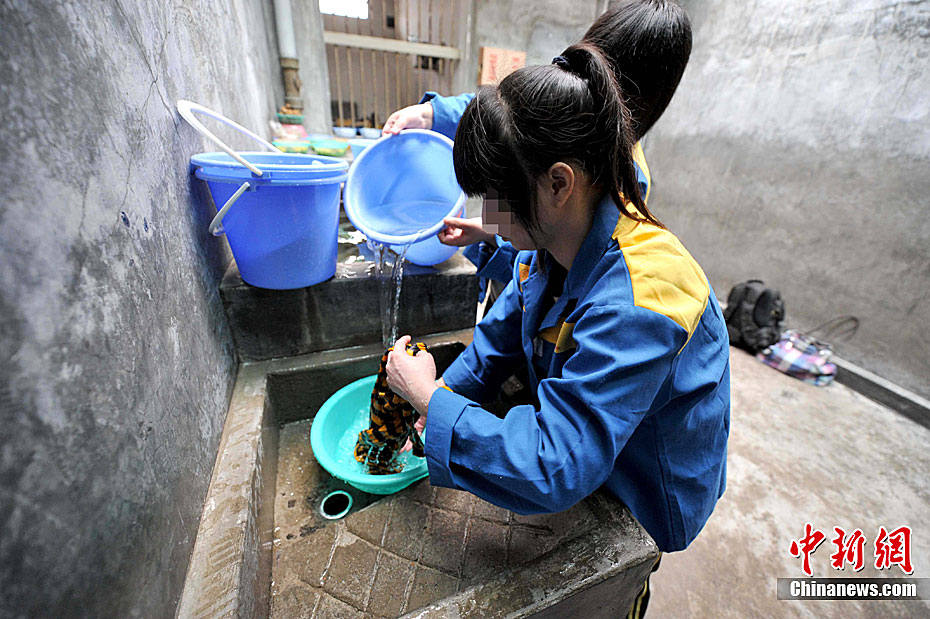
<point x="754" y="315"/>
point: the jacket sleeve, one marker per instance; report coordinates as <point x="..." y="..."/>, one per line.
<point x="493" y="261"/>
<point x="447" y="111"/>
<point x="547" y="458"/>
<point x="495" y="351"/>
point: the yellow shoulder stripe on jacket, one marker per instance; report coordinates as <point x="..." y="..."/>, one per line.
<point x="524" y="271"/>
<point x="560" y="335"/>
<point x="664" y="276"/>
<point x="640" y="158"/>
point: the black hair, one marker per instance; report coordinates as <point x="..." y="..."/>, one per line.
<point x="572" y="112"/>
<point x="648" y="43"/>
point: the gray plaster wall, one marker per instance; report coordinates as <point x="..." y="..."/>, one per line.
<point x="541" y="28"/>
<point x="116" y="362"/>
<point x="797" y="151"/>
<point x="314" y="74"/>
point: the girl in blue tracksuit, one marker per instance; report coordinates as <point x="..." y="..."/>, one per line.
<point x="626" y="348"/>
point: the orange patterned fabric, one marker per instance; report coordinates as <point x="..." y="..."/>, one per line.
<point x="391" y="420"/>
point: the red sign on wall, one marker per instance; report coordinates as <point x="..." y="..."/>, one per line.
<point x="497" y="63"/>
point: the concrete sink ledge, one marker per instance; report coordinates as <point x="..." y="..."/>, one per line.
<point x="423" y="552"/>
<point x="345" y="310"/>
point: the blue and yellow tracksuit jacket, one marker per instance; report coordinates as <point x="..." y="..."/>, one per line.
<point x="630" y="370"/>
<point x="496" y="262"/>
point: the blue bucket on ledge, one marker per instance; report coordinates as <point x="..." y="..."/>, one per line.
<point x="283" y="229"/>
<point x="280" y="211"/>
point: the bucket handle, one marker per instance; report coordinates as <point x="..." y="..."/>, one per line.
<point x="187" y="108"/>
<point x="216" y="226"/>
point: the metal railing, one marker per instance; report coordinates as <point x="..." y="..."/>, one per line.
<point x="383" y="63"/>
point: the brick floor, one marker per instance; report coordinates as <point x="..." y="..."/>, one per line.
<point x="486" y="551"/>
<point x="352" y="570"/>
<point x="406" y="528"/>
<point x="392" y="579"/>
<point x="430" y="585"/>
<point x="297" y="600"/>
<point x="483" y="509"/>
<point x="444" y="541"/>
<point x="332" y="608"/>
<point x="307" y="557"/>
<point x="403" y="552"/>
<point x="369" y="523"/>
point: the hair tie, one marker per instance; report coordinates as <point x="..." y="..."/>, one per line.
<point x="562" y="62"/>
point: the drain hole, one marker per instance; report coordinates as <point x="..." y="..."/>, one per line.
<point x="336" y="504"/>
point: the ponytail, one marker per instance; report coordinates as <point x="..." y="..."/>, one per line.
<point x="615" y="123"/>
<point x="648" y="43"/>
<point x="571" y="111"/>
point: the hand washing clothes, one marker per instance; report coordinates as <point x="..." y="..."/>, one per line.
<point x="391" y="420"/>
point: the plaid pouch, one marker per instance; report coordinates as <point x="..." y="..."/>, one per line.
<point x="801" y="356"/>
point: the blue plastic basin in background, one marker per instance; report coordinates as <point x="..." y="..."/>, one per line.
<point x="359" y="145"/>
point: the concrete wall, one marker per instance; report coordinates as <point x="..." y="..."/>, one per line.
<point x="797" y="151"/>
<point x="116" y="362"/>
<point x="314" y="75"/>
<point x="541" y="28"/>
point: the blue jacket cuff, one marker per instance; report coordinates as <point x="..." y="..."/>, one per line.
<point x="447" y="111"/>
<point x="444" y="411"/>
<point x="500" y="265"/>
<point x="473" y="253"/>
<point x="492" y="263"/>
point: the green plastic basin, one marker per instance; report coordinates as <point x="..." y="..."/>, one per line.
<point x="334" y="432"/>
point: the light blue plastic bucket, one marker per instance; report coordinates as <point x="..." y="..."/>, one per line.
<point x="399" y="190"/>
<point x="280" y="211"/>
<point x="334" y="433"/>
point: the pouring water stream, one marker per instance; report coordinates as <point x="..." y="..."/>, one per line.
<point x="390" y="285"/>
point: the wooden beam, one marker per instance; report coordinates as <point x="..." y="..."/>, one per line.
<point x="390" y="45"/>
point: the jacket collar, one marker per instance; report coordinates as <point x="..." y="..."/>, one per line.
<point x="592" y="248"/>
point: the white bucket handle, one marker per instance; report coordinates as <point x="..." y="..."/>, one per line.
<point x="186" y="109"/>
<point x="216" y="226"/>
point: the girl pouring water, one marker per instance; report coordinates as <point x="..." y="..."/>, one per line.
<point x="648" y="43"/>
